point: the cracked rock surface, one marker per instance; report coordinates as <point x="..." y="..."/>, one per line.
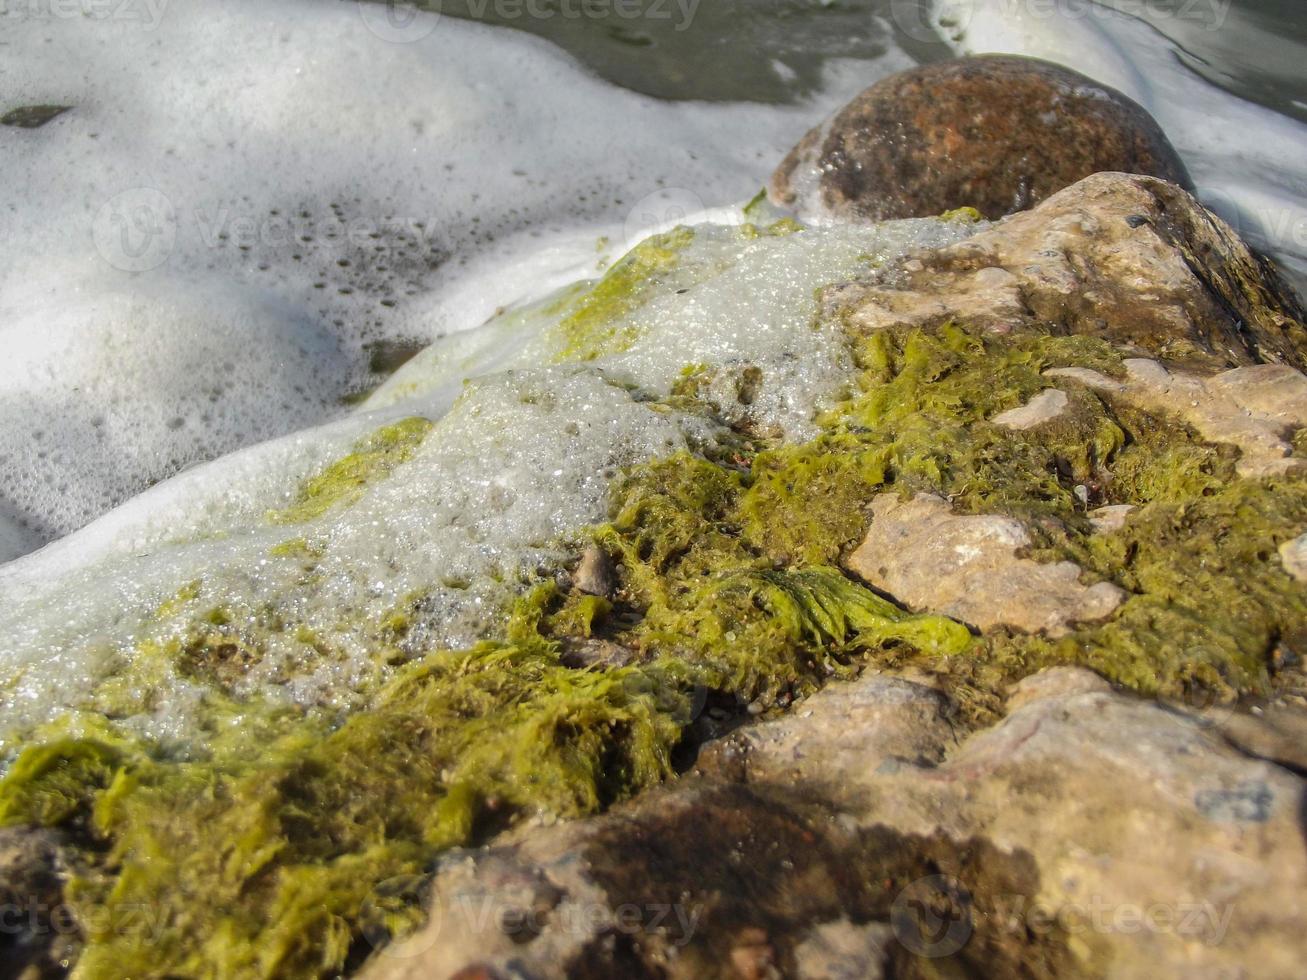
<point x="907" y="847"/>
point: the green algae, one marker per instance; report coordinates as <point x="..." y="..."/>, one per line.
<point x="264" y="863"/>
<point x="918" y="423"/>
<point x="823" y="606"/>
<point x="1209" y="604"/>
<point x="373" y="457"/>
<point x="596" y="324"/>
<point x="965" y="215"/>
<point x="776" y="229"/>
<point x="272" y="856"/>
<point x="1207" y="601"/>
<point x="265" y="859"/>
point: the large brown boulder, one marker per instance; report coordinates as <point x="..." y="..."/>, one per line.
<point x="997" y="133"/>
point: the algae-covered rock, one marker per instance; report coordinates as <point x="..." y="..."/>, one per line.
<point x="1254" y="408"/>
<point x="1132" y="259"/>
<point x="996" y="133"/>
<point x="549" y="565"/>
<point x="997" y="854"/>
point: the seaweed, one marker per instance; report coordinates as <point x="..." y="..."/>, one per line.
<point x="344" y="480"/>
<point x="595" y="322"/>
<point x="277" y="853"/>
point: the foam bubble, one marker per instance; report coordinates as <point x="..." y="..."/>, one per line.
<point x="517" y="462"/>
<point x="111" y="389"/>
<point x="362" y="188"/>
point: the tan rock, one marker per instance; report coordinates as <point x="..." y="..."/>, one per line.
<point x="595" y="574"/>
<point x="1253" y="408"/>
<point x="1114" y="256"/>
<point x="967" y="567"/>
<point x="886" y="719"/>
<point x="1044" y="407"/>
<point x="1110" y="518"/>
<point x="1293" y="555"/>
<point x="1020" y="830"/>
<point x="1055" y="682"/>
<point x="1278" y="733"/>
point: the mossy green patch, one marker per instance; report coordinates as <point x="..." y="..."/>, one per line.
<point x="264" y="863"/>
<point x="279" y="851"/>
<point x="965" y="215"/>
<point x="267" y="859"/>
<point x="596" y="322"/>
<point x="373" y="458"/>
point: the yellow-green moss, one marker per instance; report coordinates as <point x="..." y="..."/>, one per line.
<point x="776" y="229"/>
<point x="264" y="864"/>
<point x="343" y="481"/>
<point x="965" y="215"/>
<point x="596" y="323"/>
<point x="276" y="852"/>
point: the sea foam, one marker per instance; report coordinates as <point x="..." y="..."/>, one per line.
<point x="246" y="195"/>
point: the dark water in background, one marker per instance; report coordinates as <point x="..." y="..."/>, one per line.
<point x="774" y="50"/>
<point x="1256" y="49"/>
<point x="717" y="50"/>
<point x="1207" y="69"/>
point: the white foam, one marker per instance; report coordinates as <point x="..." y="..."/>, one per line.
<point x="733" y="303"/>
<point x="518" y="460"/>
<point x="111" y="389"/>
<point x="282" y="157"/>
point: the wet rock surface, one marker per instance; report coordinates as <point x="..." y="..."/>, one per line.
<point x="968" y="567"/>
<point x="1131" y="259"/>
<point x="880" y="827"/>
<point x="908" y="848"/>
<point x="997" y="133"/>
<point x="1253" y="408"/>
<point x="35" y="929"/>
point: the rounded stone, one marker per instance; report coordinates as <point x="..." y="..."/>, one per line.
<point x="998" y="133"/>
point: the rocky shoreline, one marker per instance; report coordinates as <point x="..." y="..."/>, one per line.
<point x="991" y="667"/>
